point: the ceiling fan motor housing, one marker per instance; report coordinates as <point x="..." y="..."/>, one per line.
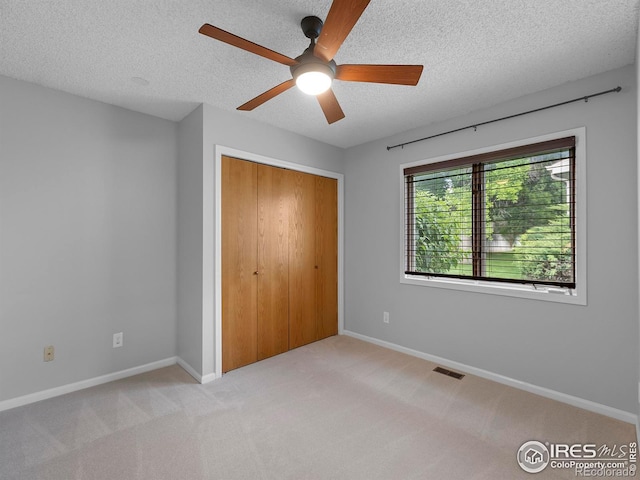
<point x="311" y="26"/>
<point x="308" y="62"/>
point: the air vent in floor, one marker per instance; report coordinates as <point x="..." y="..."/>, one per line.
<point x="449" y="373"/>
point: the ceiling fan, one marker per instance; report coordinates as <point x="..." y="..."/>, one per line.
<point x="315" y="69"/>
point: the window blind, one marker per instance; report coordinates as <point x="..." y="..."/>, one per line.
<point x="506" y="216"/>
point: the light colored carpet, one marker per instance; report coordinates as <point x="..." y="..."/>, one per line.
<point x="336" y="409"/>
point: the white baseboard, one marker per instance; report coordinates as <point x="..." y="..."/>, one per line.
<point x="192" y="371"/>
<point x="189" y="369"/>
<point x="208" y="378"/>
<point x="544" y="392"/>
<point x="91" y="382"/>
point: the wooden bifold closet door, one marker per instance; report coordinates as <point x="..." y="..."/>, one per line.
<point x="302" y="273"/>
<point x="273" y="261"/>
<point x="239" y="263"/>
<point x="326" y="236"/>
<point x="313" y="259"/>
<point x="279" y="260"/>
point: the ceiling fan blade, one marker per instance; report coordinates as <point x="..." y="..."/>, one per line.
<point x="330" y="106"/>
<point x="268" y="95"/>
<point x="394" y="74"/>
<point x="341" y="18"/>
<point x="231" y="39"/>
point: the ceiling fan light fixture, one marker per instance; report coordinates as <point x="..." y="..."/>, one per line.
<point x="313" y="78"/>
<point x="313" y="83"/>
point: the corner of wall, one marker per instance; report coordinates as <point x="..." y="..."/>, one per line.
<point x="189" y="239"/>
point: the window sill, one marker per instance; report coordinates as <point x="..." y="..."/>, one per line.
<point x="544" y="293"/>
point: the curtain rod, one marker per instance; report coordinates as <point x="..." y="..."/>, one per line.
<point x="476" y="125"/>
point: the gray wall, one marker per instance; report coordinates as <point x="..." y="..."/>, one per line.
<point x="196" y="184"/>
<point x="587" y="351"/>
<point x="189" y="333"/>
<point x="87" y="238"/>
<point x="238" y="130"/>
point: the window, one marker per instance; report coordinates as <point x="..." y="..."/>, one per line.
<point x="505" y="217"/>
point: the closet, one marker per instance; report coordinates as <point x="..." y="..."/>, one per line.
<point x="279" y="260"/>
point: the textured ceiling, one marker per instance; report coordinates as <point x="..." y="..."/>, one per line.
<point x="475" y="54"/>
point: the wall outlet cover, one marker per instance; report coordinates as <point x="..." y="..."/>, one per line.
<point x="49" y="353"/>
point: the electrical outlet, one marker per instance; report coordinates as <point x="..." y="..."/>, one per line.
<point x="385" y="317"/>
<point x="118" y="339"/>
<point x="49" y="353"/>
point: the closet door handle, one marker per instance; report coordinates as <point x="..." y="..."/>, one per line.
<point x="255" y="273"/>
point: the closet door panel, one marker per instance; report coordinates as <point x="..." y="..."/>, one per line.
<point x="326" y="234"/>
<point x="302" y="275"/>
<point x="239" y="263"/>
<point x="274" y="185"/>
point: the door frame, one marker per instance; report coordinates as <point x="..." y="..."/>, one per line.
<point x="212" y="248"/>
